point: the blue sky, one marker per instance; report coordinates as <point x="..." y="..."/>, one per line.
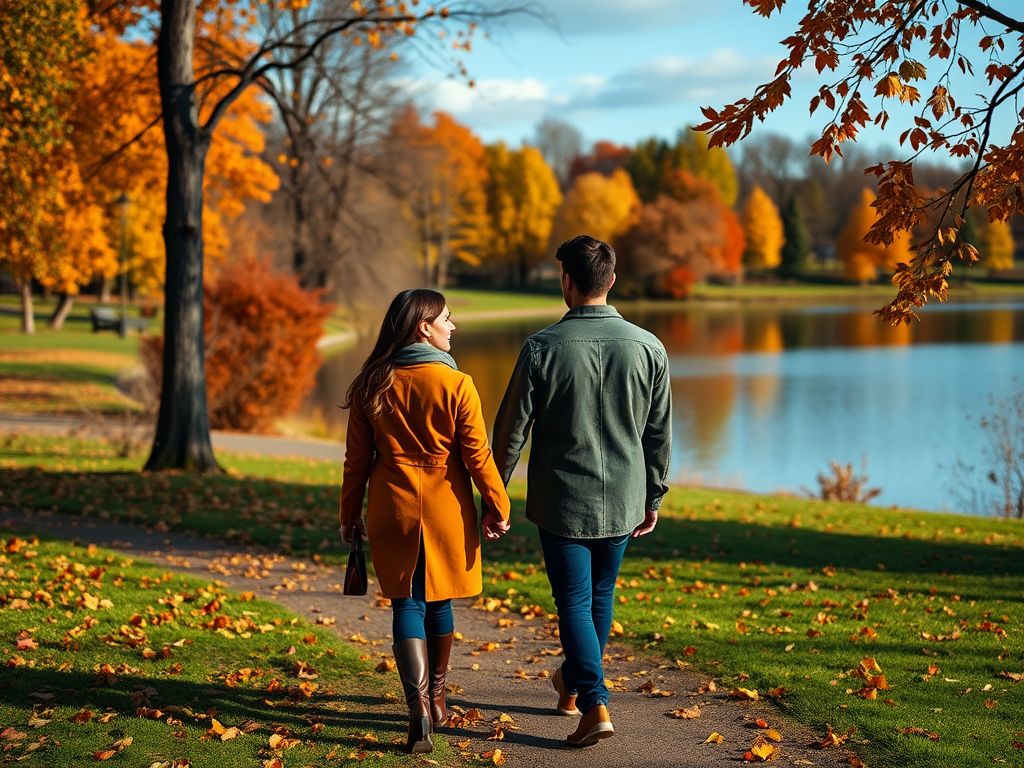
<point x="625" y="71"/>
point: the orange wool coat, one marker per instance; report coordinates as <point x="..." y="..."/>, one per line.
<point x="420" y="459"/>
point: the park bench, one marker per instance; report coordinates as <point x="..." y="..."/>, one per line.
<point x="106" y="319"/>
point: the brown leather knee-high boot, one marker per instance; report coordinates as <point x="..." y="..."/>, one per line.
<point x="439" y="649"/>
<point x="411" y="660"/>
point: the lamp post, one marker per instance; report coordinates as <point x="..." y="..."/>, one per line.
<point x="123" y="202"/>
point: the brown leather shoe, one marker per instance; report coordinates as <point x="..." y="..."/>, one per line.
<point x="566" y="701"/>
<point x="594" y="726"/>
<point x="439" y="649"/>
<point x="411" y="660"/>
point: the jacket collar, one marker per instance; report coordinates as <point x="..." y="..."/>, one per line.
<point x="586" y="311"/>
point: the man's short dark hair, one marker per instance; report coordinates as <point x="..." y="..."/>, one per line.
<point x="589" y="262"/>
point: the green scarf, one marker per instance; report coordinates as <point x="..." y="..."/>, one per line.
<point x="419" y="353"/>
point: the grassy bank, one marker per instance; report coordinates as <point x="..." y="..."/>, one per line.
<point x="109" y="659"/>
<point x="763" y="593"/>
<point x="71" y="370"/>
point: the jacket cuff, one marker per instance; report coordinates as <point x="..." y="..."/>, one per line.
<point x="654" y="504"/>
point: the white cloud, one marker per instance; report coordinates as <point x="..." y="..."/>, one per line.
<point x="675" y="79"/>
<point x="491" y="102"/>
<point x="661" y="82"/>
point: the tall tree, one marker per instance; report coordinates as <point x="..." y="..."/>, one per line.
<point x="42" y="42"/>
<point x="862" y="259"/>
<point x="182" y="437"/>
<point x="601" y="206"/>
<point x="888" y="46"/>
<point x="797" y="244"/>
<point x="560" y="143"/>
<point x="764" y="230"/>
<point x="439" y="173"/>
<point x="522" y="199"/>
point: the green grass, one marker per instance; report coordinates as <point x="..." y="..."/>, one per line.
<point x="181" y="652"/>
<point x="761" y="592"/>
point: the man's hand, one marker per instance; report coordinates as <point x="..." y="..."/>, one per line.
<point x="650" y="520"/>
<point x="494" y="527"/>
<point x="349" y="533"/>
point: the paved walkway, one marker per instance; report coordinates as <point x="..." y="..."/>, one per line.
<point x="510" y="679"/>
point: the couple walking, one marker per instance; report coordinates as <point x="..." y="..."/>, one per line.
<point x="595" y="391"/>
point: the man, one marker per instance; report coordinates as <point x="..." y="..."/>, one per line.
<point x="595" y="390"/>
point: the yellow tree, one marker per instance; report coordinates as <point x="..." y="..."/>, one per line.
<point x="997" y="246"/>
<point x="601" y="206"/>
<point x="762" y="225"/>
<point x="861" y="259"/>
<point x="439" y="173"/>
<point x="522" y="199"/>
<point x="693" y="153"/>
<point x="41" y="43"/>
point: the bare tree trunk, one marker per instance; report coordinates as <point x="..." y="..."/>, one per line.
<point x="106" y="290"/>
<point x="28" y="319"/>
<point x="62" y="310"/>
<point x="182" y="439"/>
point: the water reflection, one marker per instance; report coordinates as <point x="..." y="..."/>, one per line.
<point x="765" y="397"/>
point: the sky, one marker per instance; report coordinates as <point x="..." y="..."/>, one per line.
<point x="624" y="71"/>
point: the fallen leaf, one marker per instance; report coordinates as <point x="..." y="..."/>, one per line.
<point x="834" y="739"/>
<point x="744" y="693"/>
<point x="686" y="713"/>
<point x="915" y="731"/>
<point x="714" y="738"/>
<point x="760" y="752"/>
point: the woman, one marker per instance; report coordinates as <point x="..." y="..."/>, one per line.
<point x="416" y="435"/>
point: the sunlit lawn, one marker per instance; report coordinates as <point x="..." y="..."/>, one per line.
<point x="761" y="592"/>
<point x="109" y="659"/>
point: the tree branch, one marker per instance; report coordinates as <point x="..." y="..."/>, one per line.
<point x="989" y="12"/>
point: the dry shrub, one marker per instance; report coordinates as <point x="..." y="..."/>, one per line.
<point x="261" y="331"/>
<point x="843" y="485"/>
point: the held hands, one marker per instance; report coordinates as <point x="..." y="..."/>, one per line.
<point x="650" y="520"/>
<point x="349" y="533"/>
<point x="494" y="527"/>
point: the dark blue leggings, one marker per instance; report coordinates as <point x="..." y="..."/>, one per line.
<point x="414" y="617"/>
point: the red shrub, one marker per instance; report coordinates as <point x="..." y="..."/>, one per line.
<point x="260" y="331"/>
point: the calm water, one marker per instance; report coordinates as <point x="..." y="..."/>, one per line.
<point x="764" y="398"/>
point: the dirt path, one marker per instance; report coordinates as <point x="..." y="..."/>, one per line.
<point x="510" y="679"/>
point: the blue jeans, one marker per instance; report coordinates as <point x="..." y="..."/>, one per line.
<point x="582" y="573"/>
<point x="414" y="617"/>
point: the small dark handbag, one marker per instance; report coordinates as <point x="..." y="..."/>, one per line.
<point x="355" y="574"/>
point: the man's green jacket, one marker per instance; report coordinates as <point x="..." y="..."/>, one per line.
<point x="596" y="391"/>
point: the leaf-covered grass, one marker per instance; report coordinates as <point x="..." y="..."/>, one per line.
<point x="761" y="592"/>
<point x="767" y="593"/>
<point x="104" y="658"/>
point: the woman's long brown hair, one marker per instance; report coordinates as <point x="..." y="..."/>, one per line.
<point x="407" y="311"/>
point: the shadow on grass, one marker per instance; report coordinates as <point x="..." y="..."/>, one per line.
<point x="303" y="516"/>
<point x="30" y="688"/>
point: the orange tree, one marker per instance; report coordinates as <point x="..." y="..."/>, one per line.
<point x="877" y="53"/>
<point x="193" y="104"/>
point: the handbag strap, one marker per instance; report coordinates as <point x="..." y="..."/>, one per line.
<point x="358" y="546"/>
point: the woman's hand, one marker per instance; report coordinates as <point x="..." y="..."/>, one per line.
<point x="650" y="520"/>
<point x="494" y="527"/>
<point x="349" y="533"/>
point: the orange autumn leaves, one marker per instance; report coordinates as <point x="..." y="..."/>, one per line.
<point x="65" y="163"/>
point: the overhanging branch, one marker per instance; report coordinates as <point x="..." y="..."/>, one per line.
<point x="991" y="13"/>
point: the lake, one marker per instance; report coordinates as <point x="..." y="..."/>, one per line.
<point x="765" y="396"/>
